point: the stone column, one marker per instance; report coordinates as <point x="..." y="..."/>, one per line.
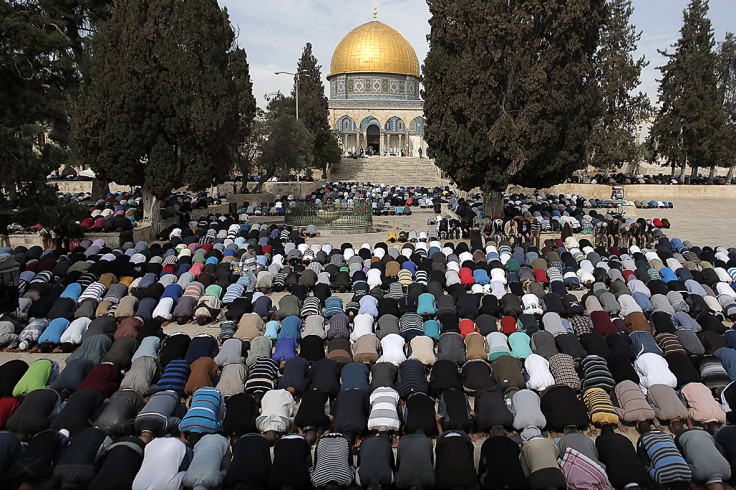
<point x="381" y="141"/>
<point x="344" y="143"/>
<point x="401" y="143"/>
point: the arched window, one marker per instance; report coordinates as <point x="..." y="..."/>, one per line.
<point x="417" y="126"/>
<point x="395" y="125"/>
<point x="345" y="125"/>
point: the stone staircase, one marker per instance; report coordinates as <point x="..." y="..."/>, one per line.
<point x="388" y="170"/>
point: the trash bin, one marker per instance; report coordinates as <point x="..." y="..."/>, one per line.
<point x="437" y="207"/>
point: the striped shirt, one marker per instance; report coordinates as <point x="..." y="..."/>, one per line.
<point x="311" y="306"/>
<point x="405" y="277"/>
<point x="332" y="461"/>
<point x="338" y="327"/>
<point x="262" y="376"/>
<point x="669" y="343"/>
<point x="412" y="378"/>
<point x="599" y="406"/>
<point x="411" y="325"/>
<point x="94" y="291"/>
<point x="206" y="412"/>
<point x="596" y="373"/>
<point x="174" y="376"/>
<point x="333" y="306"/>
<point x="666" y="464"/>
<point x="384" y="415"/>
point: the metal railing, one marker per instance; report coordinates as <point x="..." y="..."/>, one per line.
<point x="330" y="215"/>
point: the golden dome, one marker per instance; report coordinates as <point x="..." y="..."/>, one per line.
<point x="374" y="47"/>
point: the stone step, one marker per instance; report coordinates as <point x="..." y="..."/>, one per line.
<point x="389" y="170"/>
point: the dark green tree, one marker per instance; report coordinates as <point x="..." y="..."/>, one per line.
<point x="239" y="72"/>
<point x="691" y="117"/>
<point x="510" y="91"/>
<point x="37" y="73"/>
<point x="727" y="83"/>
<point x="159" y="107"/>
<point x="280" y="105"/>
<point x="330" y="153"/>
<point x="313" y="110"/>
<point x="612" y="143"/>
<point x="286" y="149"/>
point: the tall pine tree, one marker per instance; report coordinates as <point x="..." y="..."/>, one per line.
<point x="727" y="84"/>
<point x="159" y="108"/>
<point x="612" y="142"/>
<point x="313" y="110"/>
<point x="510" y="91"/>
<point x="239" y="72"/>
<point x="691" y="117"/>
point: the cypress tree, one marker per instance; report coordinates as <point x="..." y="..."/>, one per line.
<point x="727" y="84"/>
<point x="313" y="110"/>
<point x="239" y="73"/>
<point x="612" y="142"/>
<point x="691" y="117"/>
<point x="159" y="108"/>
<point x="510" y="91"/>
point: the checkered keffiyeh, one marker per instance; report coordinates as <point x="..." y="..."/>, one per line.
<point x="582" y="473"/>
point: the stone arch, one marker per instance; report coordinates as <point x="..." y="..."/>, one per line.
<point x="416" y="127"/>
<point x="369" y="121"/>
<point x="395" y="125"/>
<point x="345" y="124"/>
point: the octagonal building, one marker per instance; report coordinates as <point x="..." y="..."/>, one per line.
<point x="374" y="92"/>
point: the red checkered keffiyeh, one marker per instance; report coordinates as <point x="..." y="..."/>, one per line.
<point x="582" y="473"/>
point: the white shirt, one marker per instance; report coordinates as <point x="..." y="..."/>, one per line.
<point x="653" y="370"/>
<point x="160" y="469"/>
<point x="73" y="333"/>
<point x="392" y="346"/>
<point x="362" y="325"/>
<point x="373" y="277"/>
<point x="540" y="377"/>
<point x="277" y="411"/>
<point x="532" y="304"/>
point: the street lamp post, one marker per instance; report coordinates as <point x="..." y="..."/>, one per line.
<point x="296" y="78"/>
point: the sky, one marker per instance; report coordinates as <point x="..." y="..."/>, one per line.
<point x="274" y="32"/>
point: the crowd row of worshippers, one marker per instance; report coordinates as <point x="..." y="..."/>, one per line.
<point x="121" y="210"/>
<point x="662" y="179"/>
<point x="393" y="195"/>
<point x="563" y="333"/>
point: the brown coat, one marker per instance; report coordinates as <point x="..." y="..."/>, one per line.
<point x="203" y="372"/>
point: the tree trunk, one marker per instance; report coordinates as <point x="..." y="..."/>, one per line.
<point x="260" y="183"/>
<point x="712" y="174"/>
<point x="682" y="172"/>
<point x="673" y="170"/>
<point x="729" y="175"/>
<point x="151" y="210"/>
<point x="100" y="188"/>
<point x="693" y="172"/>
<point x="492" y="204"/>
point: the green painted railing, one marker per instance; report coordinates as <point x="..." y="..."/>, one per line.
<point x="357" y="214"/>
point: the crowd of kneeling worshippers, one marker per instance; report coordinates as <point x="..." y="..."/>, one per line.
<point x="324" y="359"/>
